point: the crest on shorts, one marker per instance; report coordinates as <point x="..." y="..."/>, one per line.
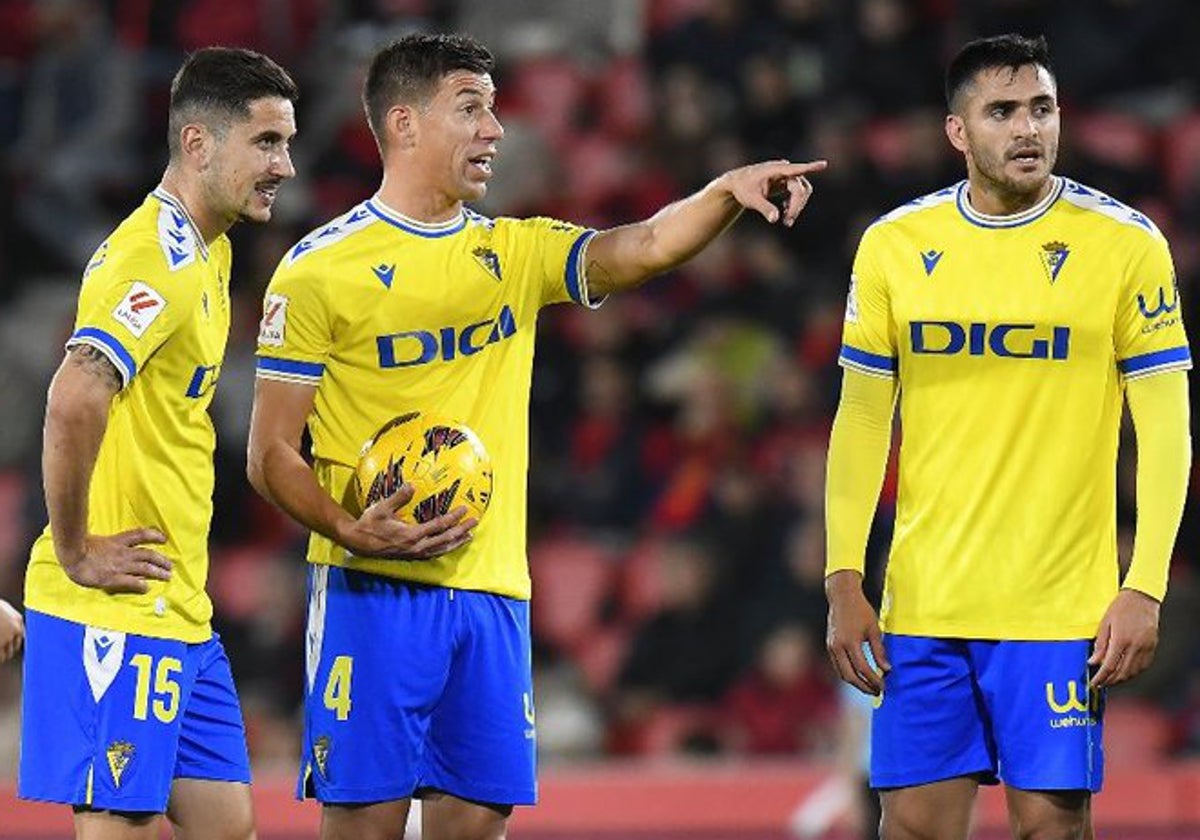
<point x="1053" y="255"/>
<point x="119" y="754"/>
<point x="321" y="748"/>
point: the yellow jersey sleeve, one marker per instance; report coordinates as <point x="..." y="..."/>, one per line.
<point x="130" y="304"/>
<point x="1160" y="411"/>
<point x="560" y="249"/>
<point x="294" y="336"/>
<point x="868" y="338"/>
<point x="1149" y="333"/>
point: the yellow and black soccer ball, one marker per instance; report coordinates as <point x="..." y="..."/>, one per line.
<point x="444" y="461"/>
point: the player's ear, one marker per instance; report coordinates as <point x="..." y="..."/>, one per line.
<point x="956" y="132"/>
<point x="195" y="140"/>
<point x="400" y="123"/>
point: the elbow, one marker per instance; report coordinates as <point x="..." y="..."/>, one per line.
<point x="256" y="472"/>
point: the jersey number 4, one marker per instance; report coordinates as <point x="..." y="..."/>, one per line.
<point x="337" y="687"/>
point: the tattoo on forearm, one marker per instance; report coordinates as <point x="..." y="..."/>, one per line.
<point x="88" y="358"/>
<point x="597" y="275"/>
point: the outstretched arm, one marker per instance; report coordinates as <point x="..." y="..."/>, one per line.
<point x="280" y="474"/>
<point x="625" y="257"/>
<point x="76" y="419"/>
<point x="1128" y="634"/>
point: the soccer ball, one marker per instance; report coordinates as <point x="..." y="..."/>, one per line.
<point x="442" y="459"/>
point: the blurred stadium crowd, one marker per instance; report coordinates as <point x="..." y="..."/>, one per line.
<point x="679" y="434"/>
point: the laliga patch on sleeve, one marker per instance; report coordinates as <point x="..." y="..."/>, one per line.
<point x="138" y="309"/>
<point x="852" y="303"/>
<point x="274" y="320"/>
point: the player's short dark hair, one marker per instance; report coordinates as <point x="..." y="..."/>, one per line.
<point x="217" y="84"/>
<point x="1012" y="51"/>
<point x="408" y="71"/>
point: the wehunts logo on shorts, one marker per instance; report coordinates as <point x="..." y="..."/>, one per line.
<point x="119" y="755"/>
<point x="321" y="748"/>
<point x="1074" y="710"/>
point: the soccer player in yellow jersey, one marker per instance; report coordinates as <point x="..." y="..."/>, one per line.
<point x="129" y="704"/>
<point x="1011" y="316"/>
<point x="418" y="677"/>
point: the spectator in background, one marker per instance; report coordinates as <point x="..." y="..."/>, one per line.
<point x="785" y="704"/>
<point x="663" y="670"/>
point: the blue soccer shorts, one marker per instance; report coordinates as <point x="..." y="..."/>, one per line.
<point x="1016" y="712"/>
<point x="413" y="687"/>
<point x="109" y="720"/>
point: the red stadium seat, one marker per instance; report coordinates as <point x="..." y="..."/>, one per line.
<point x="572" y="579"/>
<point x="1135" y="733"/>
<point x="600" y="655"/>
<point x="641" y="586"/>
<point x="1116" y="139"/>
<point x="1181" y="155"/>
<point x="549" y="91"/>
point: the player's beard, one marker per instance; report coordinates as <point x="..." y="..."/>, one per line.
<point x="1019" y="193"/>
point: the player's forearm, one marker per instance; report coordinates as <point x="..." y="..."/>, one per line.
<point x="625" y="257"/>
<point x="1160" y="411"/>
<point x="281" y="476"/>
<point x="76" y="419"/>
<point x="858" y="453"/>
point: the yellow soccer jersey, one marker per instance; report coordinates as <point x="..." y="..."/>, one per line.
<point x="1011" y="339"/>
<point x="155" y="301"/>
<point x="385" y="315"/>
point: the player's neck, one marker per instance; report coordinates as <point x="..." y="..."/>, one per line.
<point x="209" y="224"/>
<point x="987" y="200"/>
<point x="416" y="202"/>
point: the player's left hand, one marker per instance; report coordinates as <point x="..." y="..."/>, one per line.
<point x="1126" y="640"/>
<point x="760" y="185"/>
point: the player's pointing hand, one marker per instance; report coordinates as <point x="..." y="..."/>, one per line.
<point x="119" y="563"/>
<point x="768" y="186"/>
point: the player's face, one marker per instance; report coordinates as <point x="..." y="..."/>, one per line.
<point x="458" y="135"/>
<point x="1007" y="127"/>
<point x="250" y="162"/>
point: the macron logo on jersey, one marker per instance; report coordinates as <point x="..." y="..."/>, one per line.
<point x="138" y="309"/>
<point x="930" y="259"/>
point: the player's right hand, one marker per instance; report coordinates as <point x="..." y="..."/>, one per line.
<point x="379" y="533"/>
<point x="12" y="631"/>
<point x="853" y="623"/>
<point x="119" y="563"/>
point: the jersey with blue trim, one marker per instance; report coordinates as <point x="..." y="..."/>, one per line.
<point x="155" y="301"/>
<point x="384" y="315"/>
<point x="1011" y="339"/>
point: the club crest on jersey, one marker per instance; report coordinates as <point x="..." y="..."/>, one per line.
<point x="119" y="754"/>
<point x="138" y="309"/>
<point x="1053" y="255"/>
<point x="489" y="260"/>
<point x="272" y="328"/>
